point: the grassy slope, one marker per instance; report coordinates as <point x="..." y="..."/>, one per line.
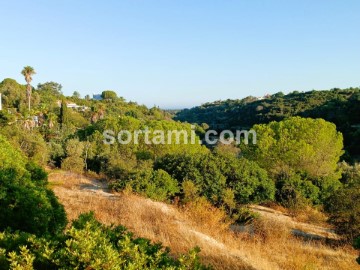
<point x="272" y="247"/>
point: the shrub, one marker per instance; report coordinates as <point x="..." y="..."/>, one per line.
<point x="249" y="182"/>
<point x="271" y="230"/>
<point x="243" y="214"/>
<point x="213" y="174"/>
<point x="74" y="161"/>
<point x="189" y="190"/>
<point x="344" y="209"/>
<point x="201" y="211"/>
<point x="357" y="246"/>
<point x="88" y="244"/>
<point x="25" y="202"/>
<point x="202" y="169"/>
<point x="155" y="184"/>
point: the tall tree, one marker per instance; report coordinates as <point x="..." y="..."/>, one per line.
<point x="64" y="114"/>
<point x="28" y="72"/>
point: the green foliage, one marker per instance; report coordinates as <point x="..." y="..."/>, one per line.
<point x="357" y="246"/>
<point x="127" y="157"/>
<point x="301" y="153"/>
<point x="88" y="244"/>
<point x="228" y="198"/>
<point x="189" y="190"/>
<point x="74" y="161"/>
<point x="344" y="205"/>
<point x="244" y="215"/>
<point x="51" y="88"/>
<point x="248" y="181"/>
<point x="6" y="118"/>
<point x="56" y="151"/>
<point x="30" y="142"/>
<point x="10" y="158"/>
<point x="108" y="94"/>
<point x="202" y="169"/>
<point x="22" y="261"/>
<point x="28" y="207"/>
<point x="76" y="95"/>
<point x="157" y="185"/>
<point x="37" y="174"/>
<point x="50" y="93"/>
<point x="13" y="94"/>
<point x="340" y="106"/>
<point x="64" y="114"/>
<point x="25" y="203"/>
<point x="213" y="175"/>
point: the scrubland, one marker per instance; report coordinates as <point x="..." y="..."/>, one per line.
<point x="269" y="243"/>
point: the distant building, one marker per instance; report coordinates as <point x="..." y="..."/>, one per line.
<point x="73" y="106"/>
<point x="97" y="97"/>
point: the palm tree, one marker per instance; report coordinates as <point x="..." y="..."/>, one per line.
<point x="28" y="72"/>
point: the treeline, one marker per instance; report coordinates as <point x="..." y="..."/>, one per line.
<point x="34" y="232"/>
<point x="295" y="162"/>
<point x="340" y="106"/>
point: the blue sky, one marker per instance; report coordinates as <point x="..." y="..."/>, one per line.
<point x="179" y="53"/>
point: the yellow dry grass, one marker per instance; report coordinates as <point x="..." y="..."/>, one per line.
<point x="270" y="247"/>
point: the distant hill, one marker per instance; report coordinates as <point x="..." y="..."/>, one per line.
<point x="340" y="106"/>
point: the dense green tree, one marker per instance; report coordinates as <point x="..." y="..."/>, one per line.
<point x="25" y="202"/>
<point x="74" y="160"/>
<point x="213" y="175"/>
<point x="64" y="114"/>
<point x="52" y="88"/>
<point x="11" y="158"/>
<point x="340" y="106"/>
<point x="30" y="142"/>
<point x="310" y="148"/>
<point x="299" y="144"/>
<point x="109" y="95"/>
<point x="76" y="95"/>
<point x="248" y="181"/>
<point x="202" y="169"/>
<point x="344" y="205"/>
<point x="155" y="184"/>
<point x="50" y="93"/>
<point x="13" y="94"/>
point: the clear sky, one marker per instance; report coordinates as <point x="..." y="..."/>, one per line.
<point x="181" y="53"/>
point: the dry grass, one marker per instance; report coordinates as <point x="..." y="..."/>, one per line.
<point x="270" y="246"/>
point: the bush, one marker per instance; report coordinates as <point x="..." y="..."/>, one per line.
<point x="202" y="169"/>
<point x="108" y="94"/>
<point x="249" y="182"/>
<point x="357" y="246"/>
<point x="202" y="212"/>
<point x="344" y="209"/>
<point x="189" y="190"/>
<point x="74" y="161"/>
<point x="28" y="207"/>
<point x="25" y="202"/>
<point x="213" y="174"/>
<point x="155" y="184"/>
<point x="243" y="214"/>
<point x="88" y="244"/>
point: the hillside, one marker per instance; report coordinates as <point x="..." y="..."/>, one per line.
<point x="340" y="106"/>
<point x="271" y="246"/>
<point x="285" y="203"/>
